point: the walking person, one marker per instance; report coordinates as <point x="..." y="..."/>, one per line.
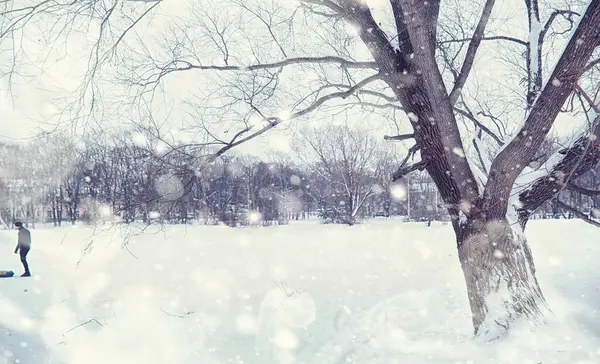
<point x="23" y="246"/>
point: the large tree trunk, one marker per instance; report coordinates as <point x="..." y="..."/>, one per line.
<point x="496" y="260"/>
<point x="500" y="275"/>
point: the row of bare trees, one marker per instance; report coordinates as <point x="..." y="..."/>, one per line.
<point x="340" y="174"/>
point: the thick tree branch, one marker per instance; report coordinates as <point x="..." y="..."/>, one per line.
<point x="404" y="45"/>
<point x="328" y="4"/>
<point x="582" y="156"/>
<point x="406" y="168"/>
<point x="399" y="138"/>
<point x="403" y="171"/>
<point x="311" y="9"/>
<point x="577" y="213"/>
<point x="437" y="121"/>
<point x="471" y="51"/>
<point x="389" y="60"/>
<point x="511" y="161"/>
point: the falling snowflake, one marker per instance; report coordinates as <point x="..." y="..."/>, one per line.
<point x="459" y="152"/>
<point x="285" y="339"/>
<point x="413" y="117"/>
<point x="465" y="206"/>
<point x="284" y="115"/>
<point x="398" y="192"/>
<point x="169" y="187"/>
<point x="498" y="254"/>
<point x="246" y="324"/>
<point x="139" y="139"/>
<point x="295" y="180"/>
<point x="255" y="217"/>
<point x="377" y="189"/>
<point x="105" y="211"/>
<point x="554" y="261"/>
<point x="352" y="30"/>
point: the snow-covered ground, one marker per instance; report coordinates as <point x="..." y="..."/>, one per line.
<point x="381" y="292"/>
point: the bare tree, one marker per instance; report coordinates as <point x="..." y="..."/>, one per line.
<point x="406" y="73"/>
<point x="347" y="159"/>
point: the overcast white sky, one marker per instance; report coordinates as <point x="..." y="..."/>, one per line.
<point x="30" y="104"/>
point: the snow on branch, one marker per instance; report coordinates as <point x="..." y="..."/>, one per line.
<point x="388" y="98"/>
<point x="312" y="7"/>
<point x="534" y="52"/>
<point x="578" y="159"/>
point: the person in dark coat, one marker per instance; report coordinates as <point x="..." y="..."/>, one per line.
<point x="23" y="246"/>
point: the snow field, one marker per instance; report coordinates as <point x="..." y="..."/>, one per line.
<point x="380" y="292"/>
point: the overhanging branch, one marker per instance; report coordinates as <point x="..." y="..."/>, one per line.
<point x="272" y="122"/>
<point x="182" y="65"/>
